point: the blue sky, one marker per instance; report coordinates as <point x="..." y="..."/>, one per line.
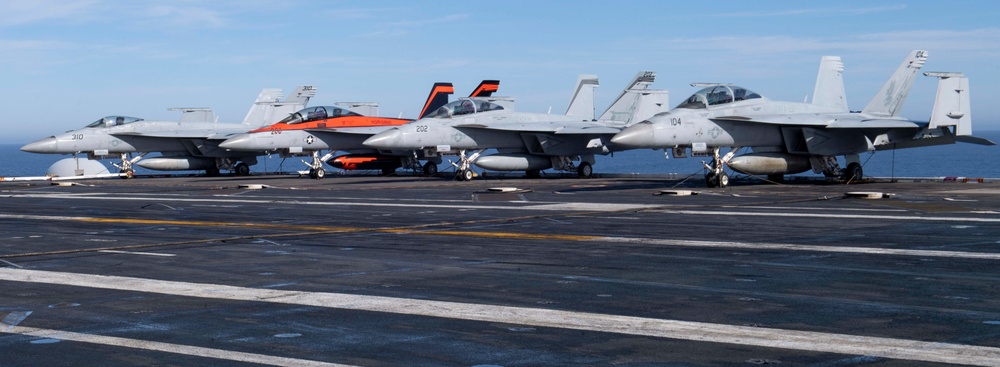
<point x="67" y="63"/>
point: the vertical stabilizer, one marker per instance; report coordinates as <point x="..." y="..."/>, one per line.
<point x="951" y="105"/>
<point x="637" y="102"/>
<point x="269" y="106"/>
<point x="889" y="100"/>
<point x="258" y="110"/>
<point x="485" y="88"/>
<point x="650" y="103"/>
<point x="196" y="114"/>
<point x="582" y="103"/>
<point x="829" y="90"/>
<point x="438" y="97"/>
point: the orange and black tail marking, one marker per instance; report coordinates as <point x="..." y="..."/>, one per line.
<point x="437" y="98"/>
<point x="485" y="88"/>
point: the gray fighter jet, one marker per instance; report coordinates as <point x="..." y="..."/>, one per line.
<point x="528" y="142"/>
<point x="792" y="137"/>
<point x="312" y="130"/>
<point x="189" y="144"/>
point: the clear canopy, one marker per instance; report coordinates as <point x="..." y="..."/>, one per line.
<point x="717" y="95"/>
<point x="109" y="121"/>
<point x="317" y="113"/>
<point x="464" y="106"/>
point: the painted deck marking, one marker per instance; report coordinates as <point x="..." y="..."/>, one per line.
<point x="535" y="236"/>
<point x="674" y="329"/>
<point x="169" y="348"/>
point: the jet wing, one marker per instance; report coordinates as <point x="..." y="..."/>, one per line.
<point x="362" y="130"/>
<point x="177" y="134"/>
<point x="822" y="120"/>
<point x="553" y="128"/>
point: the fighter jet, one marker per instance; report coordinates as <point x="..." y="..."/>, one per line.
<point x="526" y="141"/>
<point x="189" y="144"/>
<point x="314" y="129"/>
<point x="791" y="137"/>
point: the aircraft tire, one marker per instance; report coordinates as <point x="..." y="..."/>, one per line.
<point x="242" y="169"/>
<point x="853" y="172"/>
<point x="430" y="169"/>
<point x="533" y="173"/>
<point x="776" y="178"/>
<point x="585" y="170"/>
<point x="466" y="175"/>
<point x="388" y="171"/>
<point x="711" y="180"/>
<point x="319" y="173"/>
<point x="212" y="172"/>
<point x="723" y="180"/>
<point x="129" y="173"/>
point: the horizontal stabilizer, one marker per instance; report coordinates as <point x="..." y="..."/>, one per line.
<point x="974" y="140"/>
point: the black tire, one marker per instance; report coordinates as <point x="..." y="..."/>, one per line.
<point x="212" y="172"/>
<point x="585" y="170"/>
<point x="318" y="173"/>
<point x="388" y="171"/>
<point x="853" y="173"/>
<point x="711" y="180"/>
<point x="465" y="175"/>
<point x="533" y="173"/>
<point x="242" y="169"/>
<point x="723" y="180"/>
<point x="430" y="169"/>
<point x="776" y="178"/>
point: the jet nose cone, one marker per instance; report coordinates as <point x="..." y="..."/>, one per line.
<point x="238" y="142"/>
<point x="636" y="136"/>
<point x="46" y="145"/>
<point x="388" y="139"/>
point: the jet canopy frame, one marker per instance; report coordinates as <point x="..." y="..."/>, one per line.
<point x="317" y="113"/>
<point x="464" y="106"/>
<point x="109" y="121"/>
<point x="717" y="94"/>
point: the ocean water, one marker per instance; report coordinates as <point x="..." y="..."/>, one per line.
<point x="957" y="160"/>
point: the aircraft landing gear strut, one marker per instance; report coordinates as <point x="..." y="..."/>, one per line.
<point x="126" y="165"/>
<point x="716" y="176"/>
<point x="316" y="170"/>
<point x="464" y="165"/>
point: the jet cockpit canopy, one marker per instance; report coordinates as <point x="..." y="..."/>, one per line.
<point x="717" y="94"/>
<point x="109" y="121"/>
<point x="317" y="113"/>
<point x="464" y="106"/>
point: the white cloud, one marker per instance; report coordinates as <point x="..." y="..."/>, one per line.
<point x="818" y="11"/>
<point x="21" y="12"/>
<point x="186" y="16"/>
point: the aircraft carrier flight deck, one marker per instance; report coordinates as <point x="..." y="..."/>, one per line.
<point x="423" y="271"/>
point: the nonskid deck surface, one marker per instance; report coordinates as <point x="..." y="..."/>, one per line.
<point x="403" y="271"/>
